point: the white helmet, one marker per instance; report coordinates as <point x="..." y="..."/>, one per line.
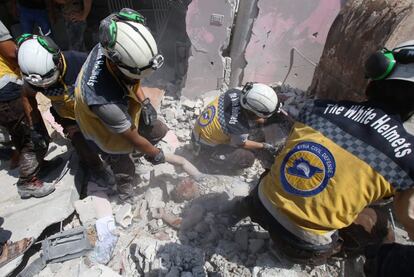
<point x="129" y="44"/>
<point x="38" y="59"/>
<point x="260" y="99"/>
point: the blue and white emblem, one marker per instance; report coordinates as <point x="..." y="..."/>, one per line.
<point x="306" y="169"/>
<point x="207" y="116"/>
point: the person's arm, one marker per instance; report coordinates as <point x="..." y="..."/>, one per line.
<point x="117" y="120"/>
<point x="404" y="210"/>
<point x="140" y="143"/>
<point x="82" y="15"/>
<point x="252" y="145"/>
<point x="30" y="106"/>
<point x="8" y="51"/>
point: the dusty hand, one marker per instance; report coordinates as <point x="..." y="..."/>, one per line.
<point x="158" y="159"/>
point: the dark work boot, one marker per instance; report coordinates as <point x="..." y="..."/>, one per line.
<point x="125" y="192"/>
<point x="35" y="188"/>
<point x="102" y="177"/>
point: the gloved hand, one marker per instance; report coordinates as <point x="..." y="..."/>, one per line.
<point x="158" y="159"/>
<point x="273" y="150"/>
<point x="38" y="139"/>
<point x="148" y="112"/>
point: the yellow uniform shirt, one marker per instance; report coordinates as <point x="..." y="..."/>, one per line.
<point x="221" y="120"/>
<point x="337" y="160"/>
<point x="97" y="85"/>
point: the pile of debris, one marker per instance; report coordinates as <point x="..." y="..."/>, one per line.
<point x="181" y="226"/>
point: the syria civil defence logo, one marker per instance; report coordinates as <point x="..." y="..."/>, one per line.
<point x="207" y="116"/>
<point x="306" y="169"/>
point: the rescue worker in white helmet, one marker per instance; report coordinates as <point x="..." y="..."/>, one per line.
<point x="220" y="136"/>
<point x="47" y="70"/>
<point x="110" y="106"/>
<point x="339" y="158"/>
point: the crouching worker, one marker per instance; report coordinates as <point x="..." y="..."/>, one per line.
<point x="30" y="144"/>
<point x="53" y="73"/>
<point x="220" y="134"/>
<point x="110" y="107"/>
<point x="338" y="159"/>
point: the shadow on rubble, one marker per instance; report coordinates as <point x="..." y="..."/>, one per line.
<point x="213" y="243"/>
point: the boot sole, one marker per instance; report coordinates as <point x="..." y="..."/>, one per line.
<point x="27" y="195"/>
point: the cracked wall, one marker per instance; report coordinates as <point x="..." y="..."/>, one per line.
<point x="272" y="28"/>
<point x="209" y="26"/>
<point x="282" y="25"/>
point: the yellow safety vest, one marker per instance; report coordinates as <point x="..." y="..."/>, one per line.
<point x="94" y="129"/>
<point x="208" y="128"/>
<point x="303" y="186"/>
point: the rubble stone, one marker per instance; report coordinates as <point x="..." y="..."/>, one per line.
<point x="84" y="208"/>
<point x="123" y="216"/>
<point x="154" y="197"/>
<point x="164" y="169"/>
<point x="242" y="238"/>
<point x="255" y="245"/>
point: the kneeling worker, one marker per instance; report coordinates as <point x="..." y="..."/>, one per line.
<point x="339" y="158"/>
<point x="109" y="104"/>
<point x="220" y="134"/>
<point x="53" y="73"/>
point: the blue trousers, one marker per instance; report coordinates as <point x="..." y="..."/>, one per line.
<point x="31" y="17"/>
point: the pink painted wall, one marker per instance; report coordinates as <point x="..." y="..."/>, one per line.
<point x="205" y="64"/>
<point x="281" y="25"/>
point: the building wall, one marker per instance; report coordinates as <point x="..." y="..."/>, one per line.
<point x="209" y="26"/>
<point x="282" y="25"/>
<point x="279" y="26"/>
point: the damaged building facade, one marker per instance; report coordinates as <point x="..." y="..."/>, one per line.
<point x="218" y="44"/>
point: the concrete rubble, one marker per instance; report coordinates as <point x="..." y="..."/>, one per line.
<point x="178" y="226"/>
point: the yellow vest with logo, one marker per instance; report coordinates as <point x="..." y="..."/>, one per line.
<point x="94" y="129"/>
<point x="8" y="73"/>
<point x="208" y="128"/>
<point x="322" y="203"/>
<point x="339" y="158"/>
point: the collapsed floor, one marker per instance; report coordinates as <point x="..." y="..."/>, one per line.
<point x="177" y="226"/>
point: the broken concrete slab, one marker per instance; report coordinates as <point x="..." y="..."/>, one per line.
<point x="29" y="217"/>
<point x="206" y="64"/>
<point x="123" y="216"/>
<point x="154" y="197"/>
<point x="85" y="210"/>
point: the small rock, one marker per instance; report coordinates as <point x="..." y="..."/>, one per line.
<point x="242" y="238"/>
<point x="154" y="197"/>
<point x="124" y="216"/>
<point x="86" y="211"/>
<point x="255" y="245"/>
<point x="164" y="169"/>
<point x="174" y="272"/>
<point x="169" y="113"/>
<point x="186" y="274"/>
<point x="187" y="103"/>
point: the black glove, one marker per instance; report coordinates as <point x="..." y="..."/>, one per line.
<point x="148" y="112"/>
<point x="158" y="159"/>
<point x="38" y="139"/>
<point x="273" y="150"/>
